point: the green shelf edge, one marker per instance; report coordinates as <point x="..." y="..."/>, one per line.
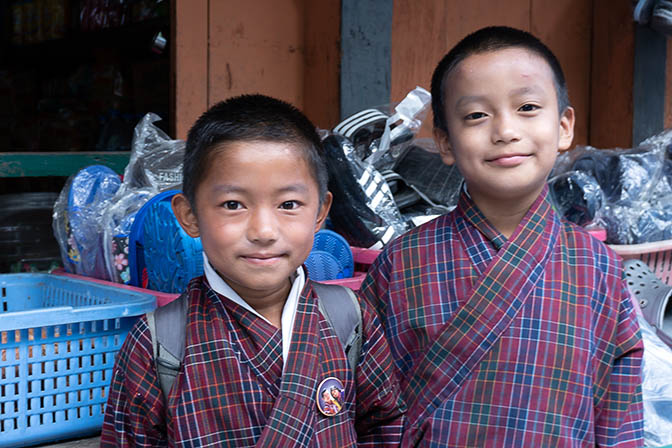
<point x="39" y="164"/>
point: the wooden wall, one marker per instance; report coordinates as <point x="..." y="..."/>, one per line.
<point x="288" y="49"/>
<point x="592" y="39"/>
<point x="292" y="49"/>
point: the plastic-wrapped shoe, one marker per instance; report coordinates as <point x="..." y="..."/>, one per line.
<point x="652" y="295"/>
<point x="88" y="194"/>
<point x="643" y="10"/>
<point x="661" y="17"/>
<point x="363" y="210"/>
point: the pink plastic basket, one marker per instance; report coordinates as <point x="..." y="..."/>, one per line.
<point x="363" y="259"/>
<point x="657" y="255"/>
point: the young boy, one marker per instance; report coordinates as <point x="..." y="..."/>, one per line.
<point x="510" y="326"/>
<point x="257" y="351"/>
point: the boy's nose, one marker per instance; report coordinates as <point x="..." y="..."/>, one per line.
<point x="505" y="129"/>
<point x="262" y="226"/>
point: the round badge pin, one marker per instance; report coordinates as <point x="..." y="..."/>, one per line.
<point x="330" y="396"/>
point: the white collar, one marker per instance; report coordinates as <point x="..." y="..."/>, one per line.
<point x="218" y="284"/>
<point x="464" y="188"/>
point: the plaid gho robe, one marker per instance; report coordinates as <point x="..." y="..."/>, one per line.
<point x="232" y="391"/>
<point x="545" y="353"/>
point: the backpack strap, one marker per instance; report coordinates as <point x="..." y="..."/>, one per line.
<point x="167" y="327"/>
<point x="340" y="307"/>
<point x="168" y="324"/>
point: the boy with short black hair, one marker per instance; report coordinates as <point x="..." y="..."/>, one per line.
<point x="259" y="354"/>
<point x="510" y="326"/>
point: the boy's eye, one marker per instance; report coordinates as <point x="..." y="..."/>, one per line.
<point x="289" y="205"/>
<point x="528" y="107"/>
<point x="231" y="205"/>
<point x="474" y="116"/>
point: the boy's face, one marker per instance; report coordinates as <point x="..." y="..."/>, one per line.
<point x="504" y="129"/>
<point x="257" y="211"/>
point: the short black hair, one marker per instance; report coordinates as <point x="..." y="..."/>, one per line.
<point x="491" y="39"/>
<point x="248" y="118"/>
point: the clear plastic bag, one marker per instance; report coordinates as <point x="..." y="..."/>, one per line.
<point x="77" y="219"/>
<point x="656" y="387"/>
<point x="385" y="180"/>
<point x="363" y="210"/>
<point x="422" y="168"/>
<point x="578" y="197"/>
<point x="636" y="187"/>
<point x="623" y="175"/>
<point x="380" y="134"/>
<point x="117" y="222"/>
<point x="156" y="159"/>
<point x="155" y="165"/>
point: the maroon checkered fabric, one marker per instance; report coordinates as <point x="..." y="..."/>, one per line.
<point x="232" y="390"/>
<point x="540" y="346"/>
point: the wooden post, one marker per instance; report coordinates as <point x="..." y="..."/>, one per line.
<point x="648" y="88"/>
<point x="366" y="28"/>
<point x="189" y="63"/>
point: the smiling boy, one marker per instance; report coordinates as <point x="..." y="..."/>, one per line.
<point x="510" y="326"/>
<point x="258" y="349"/>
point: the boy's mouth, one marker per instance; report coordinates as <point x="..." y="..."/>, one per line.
<point x="509" y="159"/>
<point x="262" y="258"/>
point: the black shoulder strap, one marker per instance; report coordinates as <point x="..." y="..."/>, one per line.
<point x="168" y="326"/>
<point x="340" y="307"/>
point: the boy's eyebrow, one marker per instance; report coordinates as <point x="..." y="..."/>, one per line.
<point x="228" y="188"/>
<point x="469" y="99"/>
<point x="526" y="89"/>
<point x="294" y="188"/>
<point x="516" y="92"/>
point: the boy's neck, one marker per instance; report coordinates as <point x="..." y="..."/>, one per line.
<point x="504" y="215"/>
<point x="270" y="307"/>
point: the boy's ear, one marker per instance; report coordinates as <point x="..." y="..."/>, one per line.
<point x="445" y="148"/>
<point x="324" y="211"/>
<point x="566" y="129"/>
<point x="185" y="215"/>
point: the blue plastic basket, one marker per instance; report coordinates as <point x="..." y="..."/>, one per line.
<point x="330" y="258"/>
<point x="58" y="340"/>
